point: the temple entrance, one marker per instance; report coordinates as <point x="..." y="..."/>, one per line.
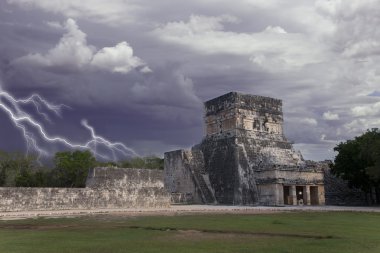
<point x="288" y="200"/>
<point x="300" y="193"/>
<point x="314" y="199"/>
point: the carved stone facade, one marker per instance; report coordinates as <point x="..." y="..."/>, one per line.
<point x="244" y="159"/>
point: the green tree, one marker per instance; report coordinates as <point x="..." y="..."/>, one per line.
<point x="24" y="179"/>
<point x="71" y="168"/>
<point x="358" y="162"/>
<point x="13" y="164"/>
<point x="43" y="178"/>
<point x="153" y="162"/>
<point x="3" y="177"/>
<point x="107" y="164"/>
<point x="149" y="162"/>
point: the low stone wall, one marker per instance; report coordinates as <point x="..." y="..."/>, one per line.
<point x="105" y="188"/>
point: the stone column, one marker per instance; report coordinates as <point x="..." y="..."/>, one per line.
<point x="280" y="195"/>
<point x="321" y="194"/>
<point x="306" y="195"/>
<point x="293" y="193"/>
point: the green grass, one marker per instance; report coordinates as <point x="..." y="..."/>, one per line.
<point x="285" y="232"/>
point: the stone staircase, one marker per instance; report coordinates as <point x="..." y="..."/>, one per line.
<point x="200" y="177"/>
<point x="204" y="185"/>
<point x="337" y="192"/>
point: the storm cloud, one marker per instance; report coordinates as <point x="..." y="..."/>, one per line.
<point x="139" y="71"/>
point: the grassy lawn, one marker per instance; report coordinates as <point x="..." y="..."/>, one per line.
<point x="285" y="232"/>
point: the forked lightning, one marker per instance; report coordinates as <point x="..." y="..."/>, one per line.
<point x="33" y="130"/>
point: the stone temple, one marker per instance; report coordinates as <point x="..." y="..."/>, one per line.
<point x="244" y="159"/>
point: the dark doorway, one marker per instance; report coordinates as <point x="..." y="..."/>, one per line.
<point x="314" y="198"/>
<point x="299" y="192"/>
<point x="287" y="197"/>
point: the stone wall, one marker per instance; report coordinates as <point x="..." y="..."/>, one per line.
<point x="270" y="194"/>
<point x="105" y="188"/>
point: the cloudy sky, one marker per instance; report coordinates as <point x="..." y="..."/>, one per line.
<point x="139" y="70"/>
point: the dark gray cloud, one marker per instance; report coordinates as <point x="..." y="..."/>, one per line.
<point x="139" y="70"/>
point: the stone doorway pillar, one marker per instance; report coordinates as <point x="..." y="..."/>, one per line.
<point x="306" y="196"/>
<point x="293" y="194"/>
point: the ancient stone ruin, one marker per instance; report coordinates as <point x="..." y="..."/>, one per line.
<point x="115" y="188"/>
<point x="244" y="159"/>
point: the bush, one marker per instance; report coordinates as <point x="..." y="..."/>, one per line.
<point x="150" y="162"/>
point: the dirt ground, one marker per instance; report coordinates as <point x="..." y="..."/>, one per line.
<point x="183" y="210"/>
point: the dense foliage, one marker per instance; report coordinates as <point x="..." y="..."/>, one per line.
<point x="70" y="169"/>
<point x="150" y="162"/>
<point x="358" y="162"/>
<point x="17" y="169"/>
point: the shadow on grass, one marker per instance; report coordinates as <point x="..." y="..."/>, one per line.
<point x="230" y="232"/>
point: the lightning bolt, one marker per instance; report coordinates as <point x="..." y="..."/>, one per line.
<point x="33" y="130"/>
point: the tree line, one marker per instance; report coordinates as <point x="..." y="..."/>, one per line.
<point x="358" y="162"/>
<point x="70" y="168"/>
